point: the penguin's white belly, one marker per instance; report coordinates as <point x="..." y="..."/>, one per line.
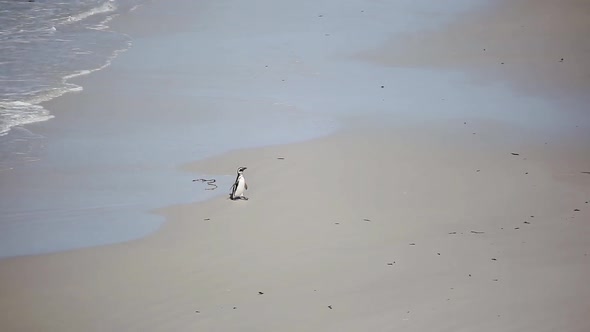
<point x="241" y="187"/>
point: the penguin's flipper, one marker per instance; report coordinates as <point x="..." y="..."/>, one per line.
<point x="246" y="185"/>
<point x="232" y="191"/>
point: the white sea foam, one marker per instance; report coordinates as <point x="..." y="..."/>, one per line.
<point x="103" y="25"/>
<point x="73" y="51"/>
<point x="16" y="113"/>
<point x="106" y="7"/>
<point x="89" y="71"/>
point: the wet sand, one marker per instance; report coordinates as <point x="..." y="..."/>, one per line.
<point x="466" y="222"/>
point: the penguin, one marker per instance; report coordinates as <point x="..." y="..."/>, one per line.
<point x="237" y="190"/>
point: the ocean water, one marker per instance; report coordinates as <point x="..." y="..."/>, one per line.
<point x="46" y="43"/>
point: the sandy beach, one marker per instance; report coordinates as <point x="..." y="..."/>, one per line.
<point x="464" y="208"/>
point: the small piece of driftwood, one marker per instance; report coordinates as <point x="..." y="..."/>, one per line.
<point x="210" y="182"/>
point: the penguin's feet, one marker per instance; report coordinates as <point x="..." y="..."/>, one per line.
<point x="244" y="198"/>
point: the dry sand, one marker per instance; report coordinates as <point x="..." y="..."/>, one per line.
<point x="359" y="231"/>
<point x="448" y="226"/>
<point x="540" y="45"/>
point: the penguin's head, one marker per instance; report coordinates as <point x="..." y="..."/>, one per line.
<point x="241" y="170"/>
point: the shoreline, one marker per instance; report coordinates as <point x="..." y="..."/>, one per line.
<point x="436" y="204"/>
<point x="111" y="155"/>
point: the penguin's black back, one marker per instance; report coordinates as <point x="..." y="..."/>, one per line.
<point x="234" y="187"/>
